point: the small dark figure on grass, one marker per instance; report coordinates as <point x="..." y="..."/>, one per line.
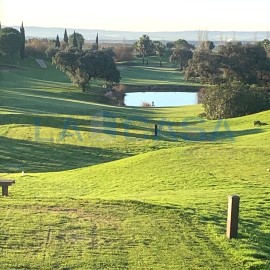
<point x="259" y="123"/>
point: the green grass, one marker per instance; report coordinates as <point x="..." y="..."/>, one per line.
<point x="153" y="74"/>
<point x="101" y="192"/>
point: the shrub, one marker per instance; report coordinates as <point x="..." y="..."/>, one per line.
<point x="233" y="100"/>
<point x="123" y="53"/>
<point x="38" y="47"/>
<point x="116" y="95"/>
<point x="146" y="104"/>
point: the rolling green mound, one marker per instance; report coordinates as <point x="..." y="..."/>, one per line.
<point x="100" y="191"/>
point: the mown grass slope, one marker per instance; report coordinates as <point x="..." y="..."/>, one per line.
<point x="101" y="192"/>
<point x="135" y="73"/>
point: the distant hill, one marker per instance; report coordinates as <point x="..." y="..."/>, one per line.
<point x="130" y="37"/>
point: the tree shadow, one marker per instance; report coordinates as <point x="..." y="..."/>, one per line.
<point x="168" y="133"/>
<point x="101" y="117"/>
<point x="131" y="127"/>
<point x="17" y="155"/>
<point x="42" y="102"/>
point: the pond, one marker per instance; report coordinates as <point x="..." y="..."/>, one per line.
<point x="162" y="99"/>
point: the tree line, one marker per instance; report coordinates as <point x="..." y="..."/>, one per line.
<point x="238" y="73"/>
<point x="179" y="52"/>
<point x="80" y="65"/>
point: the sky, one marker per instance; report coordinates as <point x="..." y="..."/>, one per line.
<point x="139" y="15"/>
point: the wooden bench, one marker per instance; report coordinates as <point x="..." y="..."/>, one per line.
<point x="5" y="184"/>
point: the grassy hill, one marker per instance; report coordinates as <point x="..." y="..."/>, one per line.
<point x="101" y="192"/>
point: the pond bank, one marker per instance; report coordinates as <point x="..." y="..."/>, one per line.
<point x="161" y="88"/>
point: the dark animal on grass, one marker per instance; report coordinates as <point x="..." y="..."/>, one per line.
<point x="259" y="123"/>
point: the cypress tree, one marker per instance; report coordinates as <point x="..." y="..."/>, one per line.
<point x="66" y="36"/>
<point x="97" y="41"/>
<point x="57" y="42"/>
<point x="22" y="49"/>
<point x="75" y="42"/>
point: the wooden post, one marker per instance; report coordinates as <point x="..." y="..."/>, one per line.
<point x="156" y="130"/>
<point x="233" y="216"/>
<point x="5" y="190"/>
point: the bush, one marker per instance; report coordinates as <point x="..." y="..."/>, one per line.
<point x="38" y="47"/>
<point x="146" y="104"/>
<point x="117" y="95"/>
<point x="123" y="53"/>
<point x="233" y="100"/>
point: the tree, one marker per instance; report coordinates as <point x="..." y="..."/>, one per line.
<point x="57" y="42"/>
<point x="237" y="70"/>
<point x="169" y="45"/>
<point x="10" y="41"/>
<point x="207" y="45"/>
<point x="76" y="40"/>
<point x="234" y="99"/>
<point x="97" y="42"/>
<point x="145" y="46"/>
<point x="22" y="49"/>
<point x="181" y="56"/>
<point x="245" y="62"/>
<point x="205" y="66"/>
<point x="66" y="36"/>
<point x="181" y="52"/>
<point x="105" y="66"/>
<point x="160" y="49"/>
<point x="233" y="61"/>
<point x="266" y="45"/>
<point x="51" y="52"/>
<point x="82" y="66"/>
<point x="183" y="44"/>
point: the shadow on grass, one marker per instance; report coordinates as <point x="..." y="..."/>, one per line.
<point x="17" y="155"/>
<point x="167" y="133"/>
<point x="106" y="119"/>
<point x="251" y="233"/>
<point x="259" y="240"/>
<point x="42" y="102"/>
<point x="133" y="127"/>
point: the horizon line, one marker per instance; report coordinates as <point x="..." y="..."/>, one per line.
<point x="138" y="31"/>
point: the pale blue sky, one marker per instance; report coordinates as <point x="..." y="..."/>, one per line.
<point x="139" y="15"/>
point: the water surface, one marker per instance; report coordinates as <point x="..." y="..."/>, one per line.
<point x="162" y="99"/>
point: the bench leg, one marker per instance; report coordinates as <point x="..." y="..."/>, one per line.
<point x="4" y="190"/>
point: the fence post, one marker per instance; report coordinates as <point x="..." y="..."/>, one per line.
<point x="156" y="130"/>
<point x="233" y="216"/>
